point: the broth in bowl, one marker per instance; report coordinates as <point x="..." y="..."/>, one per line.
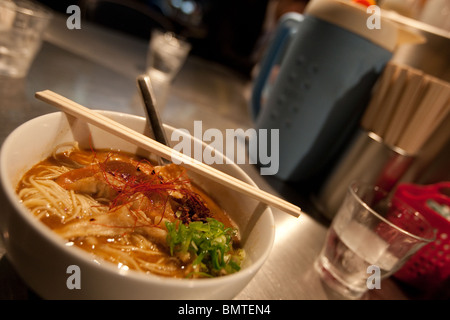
<point x="128" y="211"/>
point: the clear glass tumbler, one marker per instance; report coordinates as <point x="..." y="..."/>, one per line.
<point x="22" y="23"/>
<point x="166" y="55"/>
<point x="369" y="239"/>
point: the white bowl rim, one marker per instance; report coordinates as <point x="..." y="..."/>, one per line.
<point x="148" y="278"/>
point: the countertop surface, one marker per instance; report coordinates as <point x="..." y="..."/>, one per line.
<point x="98" y="68"/>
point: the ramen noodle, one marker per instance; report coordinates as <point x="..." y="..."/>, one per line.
<point x="132" y="213"/>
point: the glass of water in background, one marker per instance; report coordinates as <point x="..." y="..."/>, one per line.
<point x="166" y="55"/>
<point x="22" y="23"/>
<point x="371" y="236"/>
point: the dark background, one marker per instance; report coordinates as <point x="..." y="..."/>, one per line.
<point x="226" y="31"/>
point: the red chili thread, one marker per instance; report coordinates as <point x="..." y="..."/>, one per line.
<point x="151" y="186"/>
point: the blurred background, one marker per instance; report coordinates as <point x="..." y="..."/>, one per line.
<point x="222" y="31"/>
<point x="235" y="34"/>
<point x="230" y="32"/>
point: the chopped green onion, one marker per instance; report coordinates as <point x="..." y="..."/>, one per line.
<point x="210" y="243"/>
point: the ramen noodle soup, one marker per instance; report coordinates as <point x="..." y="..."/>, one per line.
<point x="130" y="212"/>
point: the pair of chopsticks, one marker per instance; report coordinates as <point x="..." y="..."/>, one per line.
<point x="406" y="107"/>
<point x="164" y="151"/>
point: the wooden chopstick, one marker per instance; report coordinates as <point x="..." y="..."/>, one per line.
<point x="380" y="91"/>
<point x="433" y="108"/>
<point x="166" y="152"/>
<point x="390" y="102"/>
<point x="407" y="105"/>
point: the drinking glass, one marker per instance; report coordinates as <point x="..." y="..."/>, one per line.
<point x="369" y="239"/>
<point x="22" y="23"/>
<point x="166" y="55"/>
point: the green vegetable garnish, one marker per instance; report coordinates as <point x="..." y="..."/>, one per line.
<point x="210" y="243"/>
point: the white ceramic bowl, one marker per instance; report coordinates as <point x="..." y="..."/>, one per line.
<point x="41" y="257"/>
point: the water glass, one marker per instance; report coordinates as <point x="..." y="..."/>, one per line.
<point x="22" y="23"/>
<point x="369" y="239"/>
<point x="166" y="55"/>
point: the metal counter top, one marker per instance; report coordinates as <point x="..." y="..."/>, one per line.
<point x="97" y="68"/>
